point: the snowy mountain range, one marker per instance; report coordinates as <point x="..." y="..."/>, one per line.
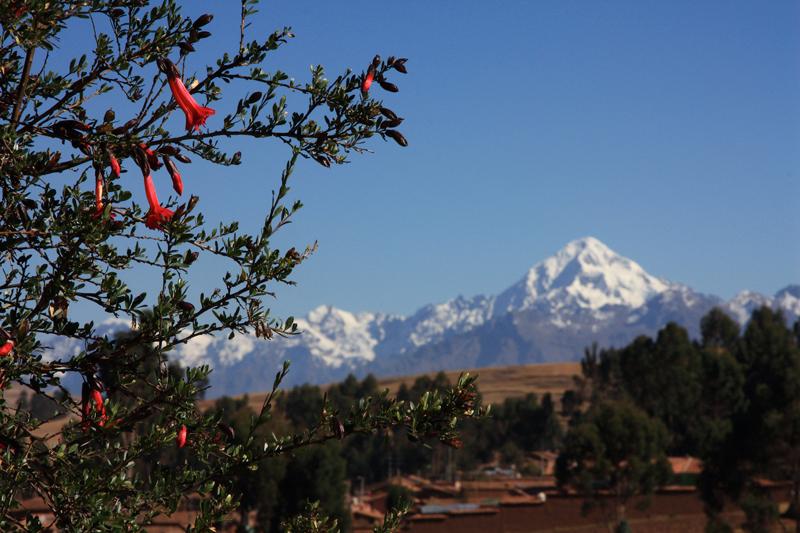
<point x="585" y="293"/>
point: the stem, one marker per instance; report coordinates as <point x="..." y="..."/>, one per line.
<point x="23" y="83"/>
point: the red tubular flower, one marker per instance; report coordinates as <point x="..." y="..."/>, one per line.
<point x="365" y="85"/>
<point x="180" y="439"/>
<point x="6" y="348"/>
<point x="92" y="400"/>
<point x="115" y="168"/>
<point x="177" y="182"/>
<point x="196" y="114"/>
<point x="157" y="215"/>
<point x="100" y="407"/>
<point x="99" y="185"/>
<point x="98" y="194"/>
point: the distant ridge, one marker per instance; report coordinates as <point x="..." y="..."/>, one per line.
<point x="582" y="294"/>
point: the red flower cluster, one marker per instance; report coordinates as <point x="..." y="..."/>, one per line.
<point x="148" y="159"/>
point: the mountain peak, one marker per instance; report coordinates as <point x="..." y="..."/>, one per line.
<point x="585" y="274"/>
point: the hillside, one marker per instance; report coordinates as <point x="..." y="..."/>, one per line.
<point x="496" y="383"/>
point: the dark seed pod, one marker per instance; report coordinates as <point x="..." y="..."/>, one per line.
<point x="118" y="12"/>
<point x="293" y="254"/>
<point x="29" y="203"/>
<point x="182" y="158"/>
<point x="53" y="161"/>
<point x="226" y="430"/>
<point x="338" y="428"/>
<point x="125" y="127"/>
<point x="388" y="113"/>
<point x="168" y="67"/>
<point x="83" y="147"/>
<point x="400" y="65"/>
<point x="185" y="306"/>
<point x="186" y="47"/>
<point x="393" y="123"/>
<point x="168" y="149"/>
<point x="140" y="157"/>
<point x="376" y="61"/>
<point x="255" y="97"/>
<point x="386" y="86"/>
<point x="72" y="125"/>
<point x="190" y="257"/>
<point x="397" y="137"/>
<point x="453" y="442"/>
<point x="171" y="168"/>
<point x="192" y="203"/>
<point x="109" y="116"/>
<point x="390" y="60"/>
<point x="202" y="20"/>
<point x="203" y="34"/>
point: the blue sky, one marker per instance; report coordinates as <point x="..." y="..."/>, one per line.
<point x="668" y="130"/>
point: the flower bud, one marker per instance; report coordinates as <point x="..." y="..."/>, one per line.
<point x="388" y="113"/>
<point x="202" y="20"/>
<point x="168" y="149"/>
<point x="6" y="348"/>
<point x="400" y="65"/>
<point x="180" y="438"/>
<point x="386" y="86"/>
<point x="185" y="306"/>
<point x="125" y="127"/>
<point x="365" y="85"/>
<point x="397" y="137"/>
<point x="393" y="123"/>
<point x="226" y="430"/>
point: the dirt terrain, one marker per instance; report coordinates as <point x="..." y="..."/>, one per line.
<point x="495" y="384"/>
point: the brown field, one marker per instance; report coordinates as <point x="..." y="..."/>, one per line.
<point x="495" y="383"/>
<point x="498" y="383"/>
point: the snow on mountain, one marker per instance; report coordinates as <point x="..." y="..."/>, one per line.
<point x="787" y="300"/>
<point x="743" y="304"/>
<point x="584" y="275"/>
<point x="433" y="322"/>
<point x="338" y="337"/>
<point x="584" y="293"/>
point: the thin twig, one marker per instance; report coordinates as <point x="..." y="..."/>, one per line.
<point x="23" y="83"/>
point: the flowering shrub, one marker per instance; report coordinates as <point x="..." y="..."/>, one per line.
<point x="66" y="244"/>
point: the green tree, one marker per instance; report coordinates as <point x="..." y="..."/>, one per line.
<point x="769" y="430"/>
<point x="75" y="132"/>
<point x="616" y="453"/>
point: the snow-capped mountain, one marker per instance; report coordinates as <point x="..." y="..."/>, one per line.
<point x="584" y="275"/>
<point x="584" y="293"/>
